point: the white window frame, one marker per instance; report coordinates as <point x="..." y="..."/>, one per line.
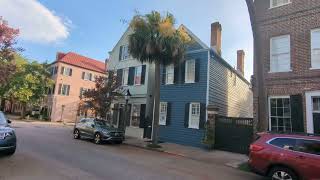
<point x="67" y="92"/>
<point x="271" y="54"/>
<point x="271" y="4"/>
<point x="194" y="116"/>
<point x="309" y="110"/>
<point x="124" y="52"/>
<point x="187" y="80"/>
<point x="125" y="76"/>
<point x="87" y="76"/>
<point x="314" y="65"/>
<point x="169" y="72"/>
<point x="269" y="108"/>
<point x="136" y="75"/>
<point x="163" y="113"/>
<point x="66" y="71"/>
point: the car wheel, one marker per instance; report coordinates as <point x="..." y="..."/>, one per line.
<point x="282" y="173"/>
<point x="118" y="142"/>
<point x="97" y="138"/>
<point x="76" y="134"/>
<point x="11" y="152"/>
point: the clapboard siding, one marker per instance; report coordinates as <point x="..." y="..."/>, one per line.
<point x="228" y="91"/>
<point x="180" y="94"/>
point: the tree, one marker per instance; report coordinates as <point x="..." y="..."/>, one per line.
<point x="29" y="84"/>
<point x="99" y="99"/>
<point x="156" y="40"/>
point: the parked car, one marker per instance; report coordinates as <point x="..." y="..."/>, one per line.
<point x="286" y="156"/>
<point x="8" y="138"/>
<point x="97" y="130"/>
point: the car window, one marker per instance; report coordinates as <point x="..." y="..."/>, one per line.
<point x="89" y="122"/>
<point x="83" y="120"/>
<point x="309" y="146"/>
<point x="286" y="143"/>
<point x="3" y="119"/>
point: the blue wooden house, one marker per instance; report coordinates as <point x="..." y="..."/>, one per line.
<point x="203" y="78"/>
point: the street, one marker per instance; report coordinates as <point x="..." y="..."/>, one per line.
<point x="50" y="152"/>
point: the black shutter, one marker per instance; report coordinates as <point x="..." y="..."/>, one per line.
<point x="120" y="53"/>
<point x="169" y="106"/>
<point x="183" y="71"/>
<point x="163" y="79"/>
<point x="70" y="72"/>
<point x="186" y="115"/>
<point x="128" y="115"/>
<point x="59" y="90"/>
<point x="53" y="88"/>
<point x="316" y="123"/>
<point x="143" y="74"/>
<point x="202" y="116"/>
<point x="115" y="114"/>
<point x="62" y="69"/>
<point x="297" y="113"/>
<point x="119" y="77"/>
<point x="176" y="75"/>
<point x="131" y="76"/>
<point x="83" y="74"/>
<point x="142" y="123"/>
<point x="197" y="70"/>
<point x="68" y="90"/>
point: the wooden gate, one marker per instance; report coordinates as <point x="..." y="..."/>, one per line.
<point x="233" y="134"/>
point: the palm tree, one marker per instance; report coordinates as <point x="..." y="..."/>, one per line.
<point x="156" y="40"/>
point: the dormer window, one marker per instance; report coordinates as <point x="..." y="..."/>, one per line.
<point x="277" y="3"/>
<point x="124" y="52"/>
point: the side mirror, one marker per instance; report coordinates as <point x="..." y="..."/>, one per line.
<point x="9" y="121"/>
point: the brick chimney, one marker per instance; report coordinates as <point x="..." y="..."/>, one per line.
<point x="60" y="55"/>
<point x="240" y="61"/>
<point x="216" y="30"/>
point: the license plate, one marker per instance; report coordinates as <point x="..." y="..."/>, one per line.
<point x="1" y="135"/>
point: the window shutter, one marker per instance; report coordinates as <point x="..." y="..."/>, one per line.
<point x="197" y="70"/>
<point x="186" y="115"/>
<point x="128" y="115"/>
<point x="90" y="76"/>
<point x="142" y="123"/>
<point x="131" y="76"/>
<point x="120" y="53"/>
<point x="176" y="74"/>
<point x="183" y="72"/>
<point x="83" y="74"/>
<point x="297" y="113"/>
<point x="62" y="70"/>
<point x="59" y="90"/>
<point x="163" y="79"/>
<point x="68" y="90"/>
<point x="53" y="88"/>
<point x="119" y="77"/>
<point x="143" y="74"/>
<point x="168" y="119"/>
<point x="70" y="72"/>
<point x="202" y="120"/>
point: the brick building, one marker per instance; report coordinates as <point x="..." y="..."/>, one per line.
<point x="72" y="74"/>
<point x="288" y="62"/>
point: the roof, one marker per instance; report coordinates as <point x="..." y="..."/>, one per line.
<point x="80" y="61"/>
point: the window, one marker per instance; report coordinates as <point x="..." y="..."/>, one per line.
<point x="194" y="115"/>
<point x="135" y="115"/>
<point x="66" y="71"/>
<point x="82" y="91"/>
<point x="86" y="76"/>
<point x="169" y="74"/>
<point x="190" y="71"/>
<point x="280" y="114"/>
<point x="277" y="3"/>
<point x="137" y="75"/>
<point x="315" y="49"/>
<point x="51" y="89"/>
<point x="280" y="54"/>
<point x="163" y="113"/>
<point x="285" y="143"/>
<point x="124" y="52"/>
<point x="64" y="89"/>
<point x="316" y="104"/>
<point x="125" y="75"/>
<point x="308" y="146"/>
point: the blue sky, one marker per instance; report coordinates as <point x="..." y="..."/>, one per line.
<point x="93" y="27"/>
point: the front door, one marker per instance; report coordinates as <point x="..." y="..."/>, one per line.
<point x="313" y="112"/>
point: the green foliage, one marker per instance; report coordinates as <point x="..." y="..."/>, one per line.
<point x="208" y="139"/>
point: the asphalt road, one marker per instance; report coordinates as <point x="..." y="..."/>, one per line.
<point x="48" y="152"/>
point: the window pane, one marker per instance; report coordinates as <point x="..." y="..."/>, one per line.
<point x="280" y="54"/>
<point x="169" y="74"/>
<point x="284" y="142"/>
<point x="135" y="115"/>
<point x="190" y="71"/>
<point x="316" y="103"/>
<point x="137" y="77"/>
<point x="280" y="114"/>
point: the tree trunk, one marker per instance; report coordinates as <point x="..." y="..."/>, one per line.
<point x="23" y="112"/>
<point x="3" y="104"/>
<point x="155" y="125"/>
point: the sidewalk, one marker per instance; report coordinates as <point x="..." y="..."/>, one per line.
<point x="214" y="157"/>
<point x="15" y="118"/>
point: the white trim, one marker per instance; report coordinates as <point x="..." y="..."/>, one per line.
<point x="269" y="109"/>
<point x="270" y="54"/>
<point x="309" y="112"/>
<point x="208" y="84"/>
<point x="186" y="72"/>
<point x="190" y="115"/>
<point x="271" y="7"/>
<point x="165" y="122"/>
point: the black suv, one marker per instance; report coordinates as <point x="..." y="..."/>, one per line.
<point x="97" y="130"/>
<point x="8" y="138"/>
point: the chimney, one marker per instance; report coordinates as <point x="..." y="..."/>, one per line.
<point x="216" y="30"/>
<point x="60" y="55"/>
<point x="240" y="61"/>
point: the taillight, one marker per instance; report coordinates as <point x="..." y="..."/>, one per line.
<point x="255" y="147"/>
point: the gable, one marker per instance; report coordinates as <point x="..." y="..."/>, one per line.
<point x="196" y="43"/>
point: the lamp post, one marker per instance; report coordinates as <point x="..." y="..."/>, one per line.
<point x="127" y="97"/>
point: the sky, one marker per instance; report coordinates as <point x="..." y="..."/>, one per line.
<point x="93" y="27"/>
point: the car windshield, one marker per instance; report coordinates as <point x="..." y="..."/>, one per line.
<point x="102" y="123"/>
<point x="3" y="119"/>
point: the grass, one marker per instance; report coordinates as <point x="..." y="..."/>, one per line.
<point x="244" y="167"/>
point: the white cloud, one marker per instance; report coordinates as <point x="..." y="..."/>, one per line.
<point x="36" y="22"/>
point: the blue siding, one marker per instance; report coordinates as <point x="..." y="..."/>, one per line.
<point x="178" y="95"/>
